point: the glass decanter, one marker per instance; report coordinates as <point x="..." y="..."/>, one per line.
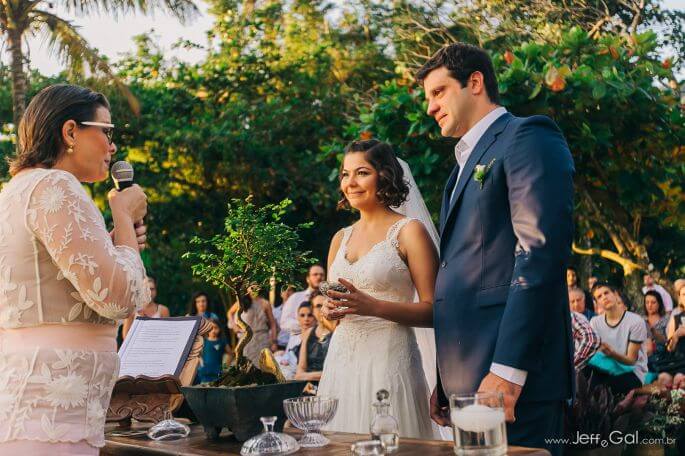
<point x="384" y="426"/>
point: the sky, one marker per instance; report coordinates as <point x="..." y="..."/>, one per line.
<point x="114" y="37"/>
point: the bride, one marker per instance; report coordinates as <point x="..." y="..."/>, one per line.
<point x="385" y="260"/>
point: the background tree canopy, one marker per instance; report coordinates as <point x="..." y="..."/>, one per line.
<point x="285" y="86"/>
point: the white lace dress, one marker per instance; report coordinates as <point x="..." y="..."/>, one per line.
<point x="64" y="287"/>
<point x="368" y="353"/>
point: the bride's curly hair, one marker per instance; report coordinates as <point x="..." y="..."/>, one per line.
<point x="392" y="189"/>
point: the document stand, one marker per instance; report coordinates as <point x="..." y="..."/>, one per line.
<point x="150" y="398"/>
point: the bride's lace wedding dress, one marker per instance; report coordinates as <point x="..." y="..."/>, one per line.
<point x="368" y="353"/>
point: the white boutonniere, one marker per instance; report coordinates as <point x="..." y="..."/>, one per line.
<point x="481" y="171"/>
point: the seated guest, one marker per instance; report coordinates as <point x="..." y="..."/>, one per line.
<point x="213" y="351"/>
<point x="622" y="333"/>
<point x="656" y="318"/>
<point x="288" y="321"/>
<point x="676" y="343"/>
<point x="305" y="320"/>
<point x="200" y="305"/>
<point x="673" y="323"/>
<point x="649" y="283"/>
<point x="677" y="286"/>
<point x="573" y="281"/>
<point x="288" y="358"/>
<point x="585" y="341"/>
<point x="571" y="277"/>
<point x="577" y="302"/>
<point x="315" y="343"/>
<point x="151" y="310"/>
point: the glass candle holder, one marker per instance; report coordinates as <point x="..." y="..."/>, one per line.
<point x="479" y="424"/>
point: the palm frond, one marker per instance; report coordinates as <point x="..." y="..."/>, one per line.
<point x="183" y="10"/>
<point x="71" y="48"/>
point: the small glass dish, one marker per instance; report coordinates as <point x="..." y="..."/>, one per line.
<point x="310" y="414"/>
<point x="325" y="287"/>
<point x="367" y="448"/>
<point x="269" y="442"/>
<point x="168" y="429"/>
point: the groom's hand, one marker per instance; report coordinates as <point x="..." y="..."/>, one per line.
<point x="511" y="392"/>
<point x="440" y="414"/>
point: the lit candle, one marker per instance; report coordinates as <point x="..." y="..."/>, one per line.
<point x="477" y="418"/>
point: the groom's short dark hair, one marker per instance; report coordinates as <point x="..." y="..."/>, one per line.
<point x="462" y="60"/>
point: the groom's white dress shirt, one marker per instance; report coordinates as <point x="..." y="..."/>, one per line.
<point x="462" y="151"/>
<point x="465" y="146"/>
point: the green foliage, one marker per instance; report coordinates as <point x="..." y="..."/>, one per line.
<point x="256" y="246"/>
<point x="666" y="414"/>
<point x="624" y="126"/>
<point x="8" y="131"/>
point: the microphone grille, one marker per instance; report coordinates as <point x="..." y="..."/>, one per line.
<point x="122" y="171"/>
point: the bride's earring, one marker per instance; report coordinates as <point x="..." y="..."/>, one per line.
<point x="70" y="149"/>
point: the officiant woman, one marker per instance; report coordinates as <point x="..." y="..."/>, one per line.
<point x="65" y="281"/>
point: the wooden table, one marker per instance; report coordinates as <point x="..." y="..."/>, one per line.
<point x="197" y="444"/>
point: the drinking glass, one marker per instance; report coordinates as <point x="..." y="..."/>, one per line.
<point x="479" y="424"/>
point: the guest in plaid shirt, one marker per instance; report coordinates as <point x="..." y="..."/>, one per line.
<point x="585" y="340"/>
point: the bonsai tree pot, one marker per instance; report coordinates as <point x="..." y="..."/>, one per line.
<point x="239" y="408"/>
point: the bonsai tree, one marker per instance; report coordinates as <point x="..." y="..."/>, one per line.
<point x="255" y="247"/>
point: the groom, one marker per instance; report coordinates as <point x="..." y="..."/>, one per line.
<point x="501" y="311"/>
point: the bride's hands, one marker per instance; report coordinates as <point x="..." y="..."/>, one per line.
<point x="354" y="302"/>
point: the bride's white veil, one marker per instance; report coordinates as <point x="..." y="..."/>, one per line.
<point x="415" y="207"/>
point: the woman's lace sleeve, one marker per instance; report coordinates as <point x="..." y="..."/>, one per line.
<point x="110" y="279"/>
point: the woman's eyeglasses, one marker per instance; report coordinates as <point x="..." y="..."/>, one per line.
<point x="107" y="129"/>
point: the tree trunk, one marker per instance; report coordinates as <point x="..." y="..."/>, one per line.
<point x="632" y="284"/>
<point x="584" y="266"/>
<point x="14" y="42"/>
<point x="630" y="253"/>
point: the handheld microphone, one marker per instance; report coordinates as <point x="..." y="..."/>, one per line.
<point x="122" y="175"/>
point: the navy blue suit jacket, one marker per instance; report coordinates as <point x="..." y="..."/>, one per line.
<point x="501" y="293"/>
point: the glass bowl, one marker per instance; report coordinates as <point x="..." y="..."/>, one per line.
<point x="310" y="414"/>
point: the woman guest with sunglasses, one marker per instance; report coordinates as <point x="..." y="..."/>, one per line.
<point x="65" y="282"/>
